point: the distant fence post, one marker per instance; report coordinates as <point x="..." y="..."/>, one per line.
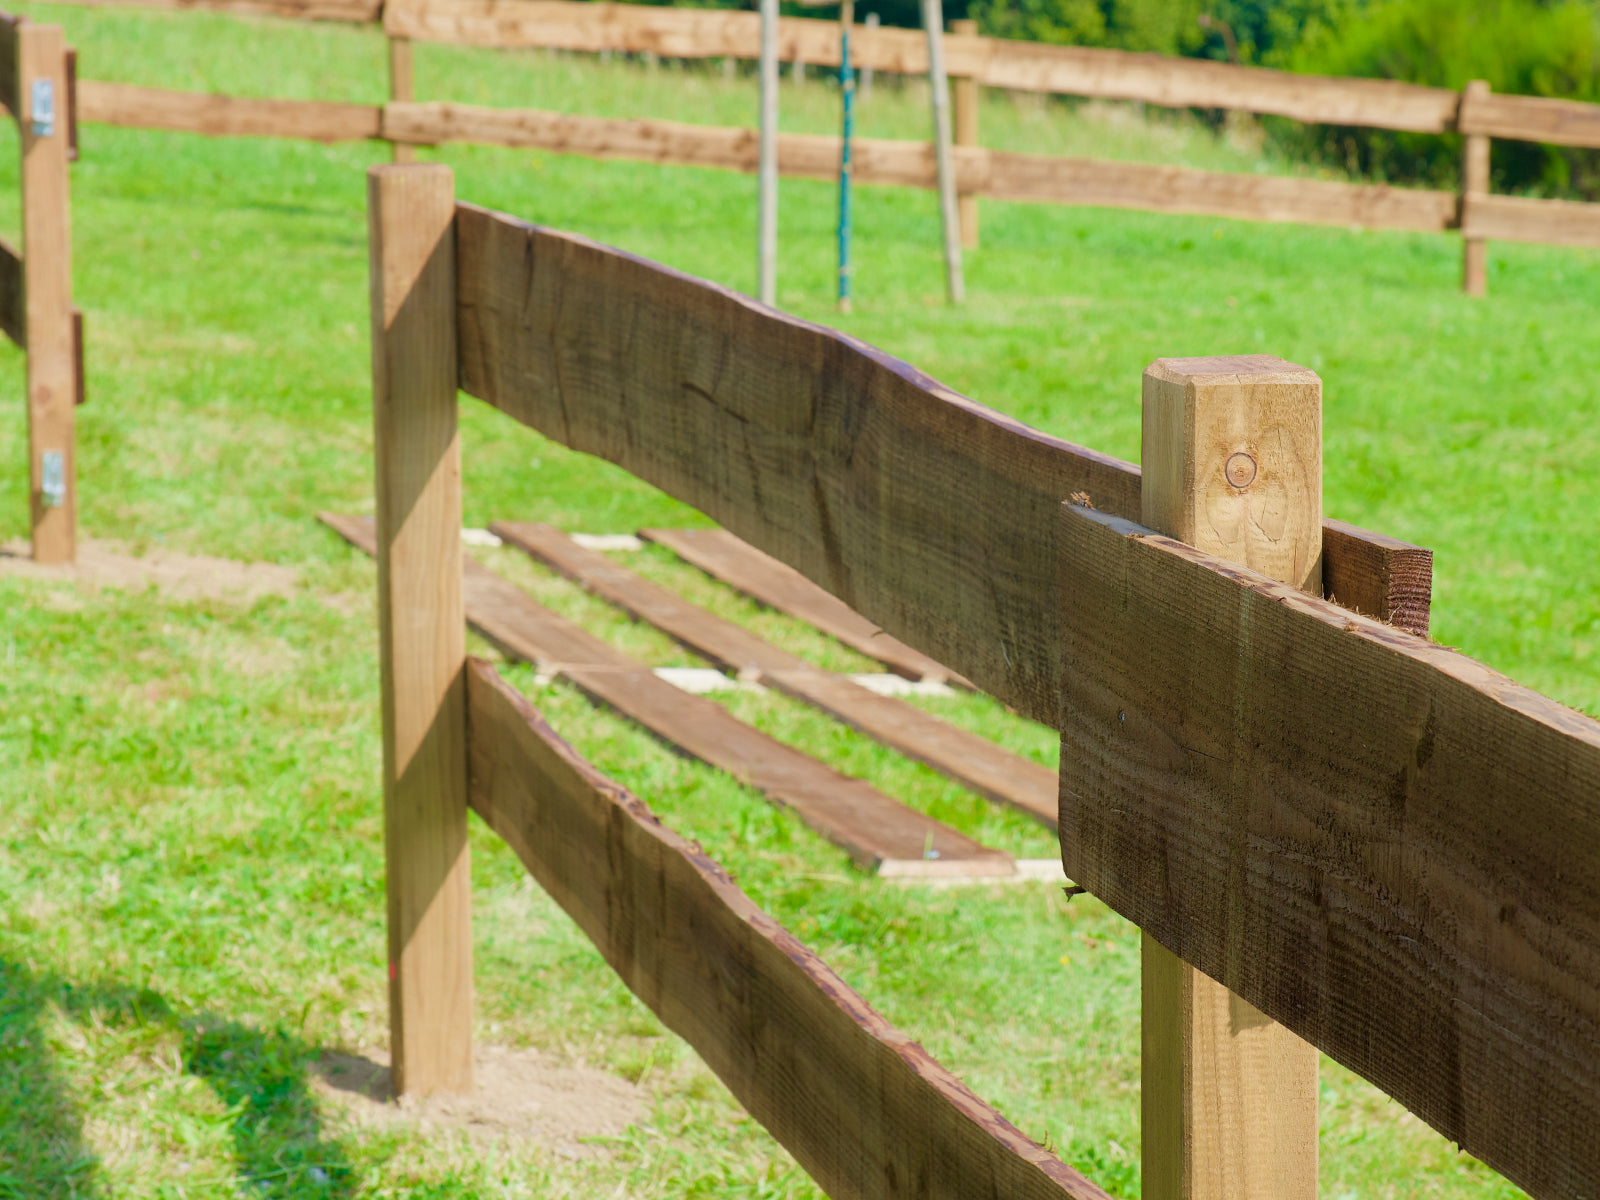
<point x="401" y="89"/>
<point x="42" y="108"/>
<point x="422" y="644"/>
<point x="1232" y="464"/>
<point x="965" y="89"/>
<point x="1474" y="182"/>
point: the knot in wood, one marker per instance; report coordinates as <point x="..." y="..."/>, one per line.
<point x="1240" y="470"/>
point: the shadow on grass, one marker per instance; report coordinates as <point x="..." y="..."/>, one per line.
<point x="262" y="1077"/>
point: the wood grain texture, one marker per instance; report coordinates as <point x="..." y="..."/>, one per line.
<point x="1231" y="456"/>
<point x="1379" y="576"/>
<point x="779" y="586"/>
<point x="927" y="513"/>
<point x="137" y="107"/>
<point x="13" y="295"/>
<point x="1531" y="119"/>
<point x="47" y="294"/>
<point x="1379" y="843"/>
<point x="1232" y="464"/>
<point x="970" y="760"/>
<point x="421" y="629"/>
<point x="863" y="1108"/>
<point x="361" y="12"/>
<point x="877" y="831"/>
<point x="923" y="511"/>
<point x="1523" y="219"/>
<point x="991" y="62"/>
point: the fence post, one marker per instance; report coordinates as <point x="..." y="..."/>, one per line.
<point x="422" y="644"/>
<point x="939" y="94"/>
<point x="965" y="89"/>
<point x="1232" y="464"/>
<point x="1474" y="182"/>
<point x="42" y="105"/>
<point x="401" y="89"/>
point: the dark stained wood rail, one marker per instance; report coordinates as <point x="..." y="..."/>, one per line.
<point x="1381" y="844"/>
<point x="949" y="549"/>
<point x="864" y="1109"/>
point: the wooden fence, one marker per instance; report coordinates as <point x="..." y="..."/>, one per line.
<point x="36" y="311"/>
<point x="973" y="62"/>
<point x="1380" y="846"/>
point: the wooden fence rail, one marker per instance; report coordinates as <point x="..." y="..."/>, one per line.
<point x="973" y="61"/>
<point x="1370" y="839"/>
<point x="36" y="310"/>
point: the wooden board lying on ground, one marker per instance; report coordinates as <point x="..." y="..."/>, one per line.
<point x="865" y="1110"/>
<point x="876" y="830"/>
<point x="226" y="116"/>
<point x="973" y="761"/>
<point x="13" y="304"/>
<point x="1383" y="845"/>
<point x="930" y="515"/>
<point x="993" y="62"/>
<point x="1001" y="175"/>
<point x="779" y="586"/>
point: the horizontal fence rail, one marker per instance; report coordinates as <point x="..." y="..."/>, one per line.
<point x="865" y="1110"/>
<point x="1376" y="841"/>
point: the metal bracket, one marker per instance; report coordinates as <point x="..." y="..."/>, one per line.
<point x="53" y="482"/>
<point x="44" y="107"/>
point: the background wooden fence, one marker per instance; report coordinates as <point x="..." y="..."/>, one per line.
<point x="36" y="311"/>
<point x="1334" y="833"/>
<point x="973" y="62"/>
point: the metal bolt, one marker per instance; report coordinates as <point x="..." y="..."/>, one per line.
<point x="1240" y="470"/>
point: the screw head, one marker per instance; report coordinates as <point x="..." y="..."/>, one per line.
<point x="1240" y="470"/>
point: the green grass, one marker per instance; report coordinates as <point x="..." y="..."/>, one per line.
<point x="190" y="857"/>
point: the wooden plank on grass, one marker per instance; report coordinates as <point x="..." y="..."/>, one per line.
<point x="876" y="830"/>
<point x="137" y="107"/>
<point x="779" y="586"/>
<point x="970" y="760"/>
<point x="13" y="302"/>
<point x="1381" y="844"/>
<point x="1525" y="219"/>
<point x="864" y="1109"/>
<point x="927" y="513"/>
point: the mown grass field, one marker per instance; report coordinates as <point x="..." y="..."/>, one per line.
<point x="190" y="860"/>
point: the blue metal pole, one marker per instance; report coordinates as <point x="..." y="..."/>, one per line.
<point x="847" y="88"/>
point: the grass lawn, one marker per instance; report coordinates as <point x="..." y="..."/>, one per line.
<point x="190" y="861"/>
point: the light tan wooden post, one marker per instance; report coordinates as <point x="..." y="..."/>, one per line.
<point x="411" y="211"/>
<point x="965" y="98"/>
<point x="1232" y="464"/>
<point x="1474" y="182"/>
<point x="401" y="89"/>
<point x="41" y="81"/>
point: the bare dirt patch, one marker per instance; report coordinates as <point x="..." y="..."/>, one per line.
<point x="522" y="1095"/>
<point x="183" y="576"/>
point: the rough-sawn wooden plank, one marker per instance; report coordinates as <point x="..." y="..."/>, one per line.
<point x="1380" y="843"/>
<point x="973" y="761"/>
<point x="876" y="830"/>
<point x="864" y="1109"/>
